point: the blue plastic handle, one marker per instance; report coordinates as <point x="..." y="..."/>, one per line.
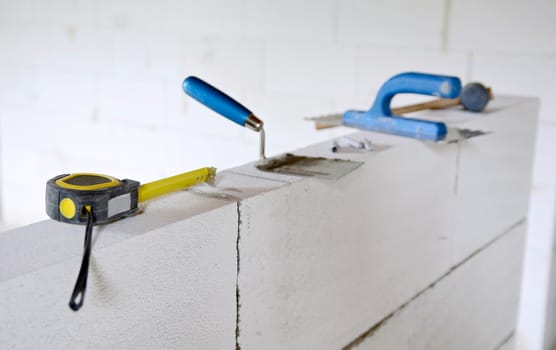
<point x="414" y="128"/>
<point x="216" y="100"/>
<point x="379" y="117"/>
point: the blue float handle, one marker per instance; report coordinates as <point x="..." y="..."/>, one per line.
<point x="216" y="100"/>
<point x="414" y="83"/>
<point x="379" y="117"/>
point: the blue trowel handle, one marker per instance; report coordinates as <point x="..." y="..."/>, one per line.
<point x="220" y="102"/>
<point x="414" y="83"/>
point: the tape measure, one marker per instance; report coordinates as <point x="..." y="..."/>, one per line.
<point x="90" y="199"/>
<point x="69" y="196"/>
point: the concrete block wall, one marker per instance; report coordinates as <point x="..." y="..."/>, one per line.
<point x="95" y="86"/>
<point x="374" y="260"/>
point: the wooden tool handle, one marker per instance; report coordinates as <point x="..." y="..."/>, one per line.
<point x="436" y="104"/>
<point x="325" y="125"/>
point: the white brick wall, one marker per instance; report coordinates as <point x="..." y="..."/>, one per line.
<point x="503" y="26"/>
<point x="290" y="21"/>
<point x="399" y="23"/>
<point x="209" y="19"/>
<point x="109" y="73"/>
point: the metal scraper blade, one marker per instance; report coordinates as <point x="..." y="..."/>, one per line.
<point x="455" y="135"/>
<point x="324" y="168"/>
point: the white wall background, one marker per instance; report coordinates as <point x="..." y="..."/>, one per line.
<point x="96" y="86"/>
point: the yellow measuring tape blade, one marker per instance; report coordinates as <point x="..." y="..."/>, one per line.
<point x="175" y="183"/>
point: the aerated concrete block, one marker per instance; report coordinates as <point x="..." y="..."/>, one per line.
<point x="473" y="306"/>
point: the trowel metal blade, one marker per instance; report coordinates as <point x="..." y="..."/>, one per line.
<point x="456" y="134"/>
<point x="324" y="168"/>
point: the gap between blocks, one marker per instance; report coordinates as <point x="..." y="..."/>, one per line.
<point x="371" y="331"/>
<point x="238" y="301"/>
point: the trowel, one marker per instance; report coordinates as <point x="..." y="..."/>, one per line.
<point x="288" y="163"/>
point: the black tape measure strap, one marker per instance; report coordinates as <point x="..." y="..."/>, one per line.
<point x="78" y="294"/>
<point x="109" y="199"/>
<point x="89" y="199"/>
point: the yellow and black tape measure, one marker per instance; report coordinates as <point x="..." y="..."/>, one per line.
<point x="69" y="196"/>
